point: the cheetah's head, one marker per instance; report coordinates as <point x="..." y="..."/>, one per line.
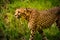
<point x="23" y="12"/>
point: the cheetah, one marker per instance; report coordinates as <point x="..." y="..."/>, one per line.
<point x="39" y="19"/>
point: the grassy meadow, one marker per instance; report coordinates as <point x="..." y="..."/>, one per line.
<point x="17" y="29"/>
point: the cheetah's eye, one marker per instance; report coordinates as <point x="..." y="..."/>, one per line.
<point x="18" y="12"/>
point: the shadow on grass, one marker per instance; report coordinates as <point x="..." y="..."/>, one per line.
<point x="53" y="37"/>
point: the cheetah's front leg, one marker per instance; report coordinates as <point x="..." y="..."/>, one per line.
<point x="32" y="35"/>
<point x="42" y="34"/>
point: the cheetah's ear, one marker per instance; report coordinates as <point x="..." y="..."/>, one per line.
<point x="28" y="9"/>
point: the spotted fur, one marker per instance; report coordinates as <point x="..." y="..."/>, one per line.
<point x="39" y="20"/>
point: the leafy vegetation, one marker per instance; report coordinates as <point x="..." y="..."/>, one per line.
<point x="16" y="29"/>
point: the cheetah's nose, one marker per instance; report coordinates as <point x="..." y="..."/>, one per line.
<point x="17" y="16"/>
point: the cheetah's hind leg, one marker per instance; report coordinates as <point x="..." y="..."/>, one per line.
<point x="58" y="24"/>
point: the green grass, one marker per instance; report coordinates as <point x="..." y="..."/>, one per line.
<point x="17" y="28"/>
